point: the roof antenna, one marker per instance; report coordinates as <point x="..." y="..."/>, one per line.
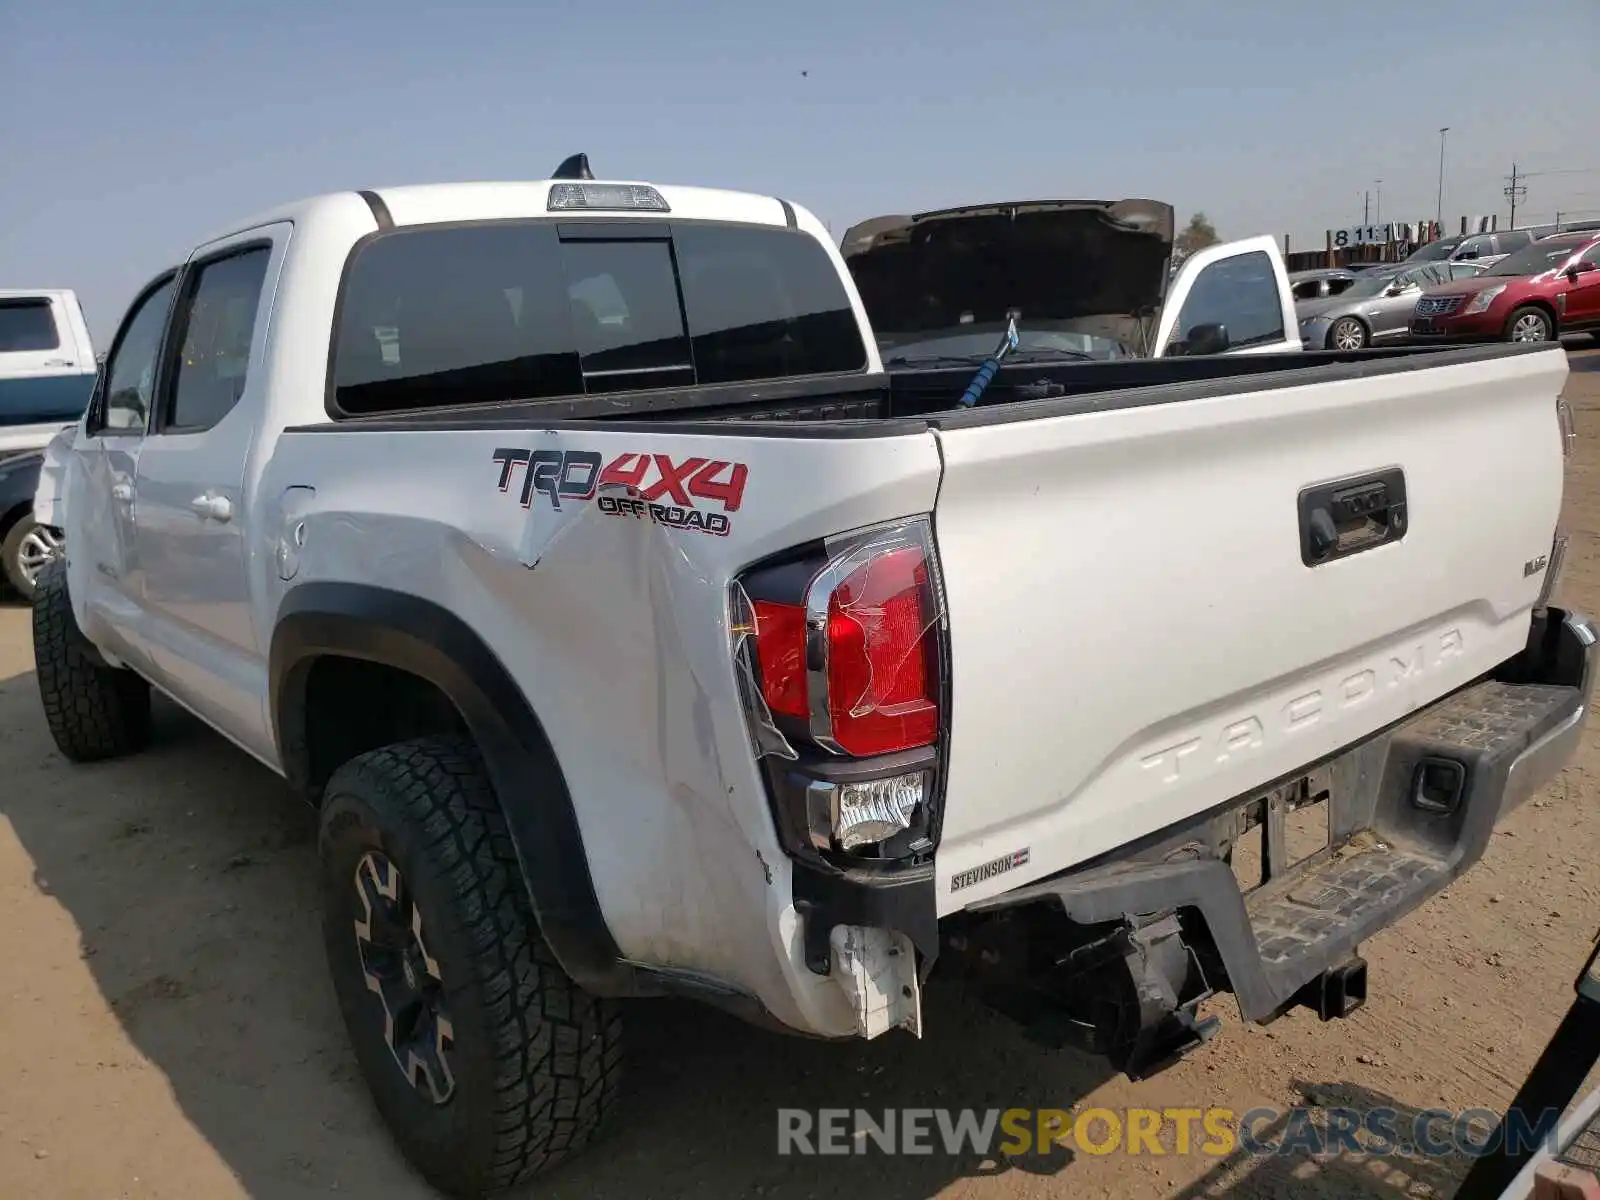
<point x="574" y="167"/>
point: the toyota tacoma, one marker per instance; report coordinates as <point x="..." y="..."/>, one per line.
<point x="566" y="545"/>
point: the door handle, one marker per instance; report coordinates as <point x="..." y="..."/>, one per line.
<point x="212" y="507"/>
<point x="122" y="492"/>
<point x="1351" y="515"/>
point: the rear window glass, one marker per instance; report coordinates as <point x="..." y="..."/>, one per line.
<point x="27" y="325"/>
<point x="627" y="323"/>
<point x="514" y="311"/>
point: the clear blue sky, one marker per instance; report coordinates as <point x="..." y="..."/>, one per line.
<point x="130" y="131"/>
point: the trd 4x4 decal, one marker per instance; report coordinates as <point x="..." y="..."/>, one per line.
<point x="639" y="484"/>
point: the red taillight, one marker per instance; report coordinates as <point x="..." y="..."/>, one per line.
<point x="881" y="669"/>
<point x="781" y="656"/>
<point x="880" y="691"/>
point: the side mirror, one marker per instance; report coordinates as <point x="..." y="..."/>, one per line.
<point x="1580" y="268"/>
<point x="1210" y="338"/>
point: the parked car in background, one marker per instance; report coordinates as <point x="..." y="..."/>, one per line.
<point x="1321" y="283"/>
<point x="1484" y="248"/>
<point x="47" y="365"/>
<point x="1084" y="279"/>
<point x="1548" y="289"/>
<point x="25" y="545"/>
<point x="1376" y="308"/>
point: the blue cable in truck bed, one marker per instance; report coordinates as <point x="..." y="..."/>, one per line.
<point x="991" y="366"/>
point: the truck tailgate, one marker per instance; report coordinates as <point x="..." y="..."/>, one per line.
<point x="1135" y="635"/>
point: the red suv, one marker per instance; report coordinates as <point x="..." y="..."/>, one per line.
<point x="1544" y="290"/>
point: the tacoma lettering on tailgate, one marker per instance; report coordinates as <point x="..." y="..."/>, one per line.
<point x="1245" y="733"/>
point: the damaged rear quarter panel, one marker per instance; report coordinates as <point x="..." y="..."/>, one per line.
<point x="615" y="625"/>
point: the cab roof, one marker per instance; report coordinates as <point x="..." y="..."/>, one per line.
<point x="433" y="203"/>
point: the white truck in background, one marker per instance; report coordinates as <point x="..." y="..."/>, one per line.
<point x="47" y="370"/>
<point x="1083" y="280"/>
<point x="567" y="545"/>
<point x="47" y="365"/>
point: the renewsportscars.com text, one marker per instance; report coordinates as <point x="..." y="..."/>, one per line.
<point x="1217" y="1132"/>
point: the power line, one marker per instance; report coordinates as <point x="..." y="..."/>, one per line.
<point x="1563" y="171"/>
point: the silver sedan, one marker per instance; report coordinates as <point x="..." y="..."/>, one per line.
<point x="1376" y="309"/>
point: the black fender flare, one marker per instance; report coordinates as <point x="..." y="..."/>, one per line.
<point x="411" y="634"/>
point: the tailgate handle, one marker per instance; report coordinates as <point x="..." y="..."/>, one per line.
<point x="1347" y="516"/>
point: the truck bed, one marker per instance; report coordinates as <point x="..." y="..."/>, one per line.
<point x="917" y="399"/>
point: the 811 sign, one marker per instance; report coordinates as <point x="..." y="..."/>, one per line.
<point x="1361" y="235"/>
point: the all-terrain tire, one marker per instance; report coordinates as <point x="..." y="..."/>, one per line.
<point x="94" y="711"/>
<point x="533" y="1062"/>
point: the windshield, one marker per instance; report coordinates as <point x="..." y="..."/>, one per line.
<point x="1540" y="257"/>
<point x="1434" y="251"/>
<point x="978" y="342"/>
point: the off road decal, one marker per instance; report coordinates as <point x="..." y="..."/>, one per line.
<point x="988" y="870"/>
<point x="690" y="493"/>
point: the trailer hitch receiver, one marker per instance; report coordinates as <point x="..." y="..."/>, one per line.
<point x="1338" y="992"/>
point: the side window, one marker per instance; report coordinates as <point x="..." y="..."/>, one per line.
<point x="27" y="325"/>
<point x="625" y="314"/>
<point x="1476" y="247"/>
<point x="215" y="325"/>
<point x="1591" y="255"/>
<point x="130" y="369"/>
<point x="1240" y="293"/>
<point x="1513" y="240"/>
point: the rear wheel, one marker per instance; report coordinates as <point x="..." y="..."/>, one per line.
<point x="1529" y="325"/>
<point x="487" y="1063"/>
<point x="94" y="711"/>
<point x="27" y="547"/>
<point x="1347" y="333"/>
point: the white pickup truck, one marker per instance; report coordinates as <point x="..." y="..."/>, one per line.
<point x="47" y="366"/>
<point x="565" y="544"/>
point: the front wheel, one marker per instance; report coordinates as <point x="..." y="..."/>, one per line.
<point x="486" y="1061"/>
<point x="1347" y="333"/>
<point x="26" y="550"/>
<point x="94" y="710"/>
<point x="1529" y="325"/>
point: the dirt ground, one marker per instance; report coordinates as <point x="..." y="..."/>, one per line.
<point x="167" y="1029"/>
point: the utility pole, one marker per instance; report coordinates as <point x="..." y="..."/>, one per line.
<point x="1439" y="215"/>
<point x="1515" y="192"/>
<point x="1366" y="207"/>
<point x="1377" y="211"/>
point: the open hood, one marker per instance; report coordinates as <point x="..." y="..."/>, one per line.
<point x="1099" y="263"/>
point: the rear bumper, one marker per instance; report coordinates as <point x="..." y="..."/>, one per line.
<point x="1408" y="811"/>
